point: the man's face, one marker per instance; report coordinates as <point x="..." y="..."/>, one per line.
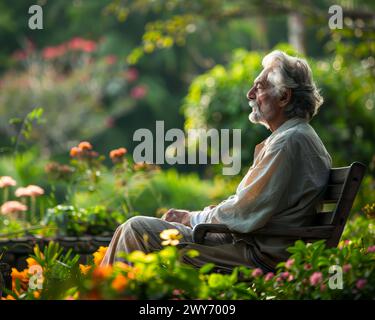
<point x="262" y="100"/>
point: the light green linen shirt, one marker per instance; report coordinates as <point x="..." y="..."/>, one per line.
<point x="283" y="186"/>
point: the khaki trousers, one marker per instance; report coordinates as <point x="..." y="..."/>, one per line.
<point x="143" y="233"/>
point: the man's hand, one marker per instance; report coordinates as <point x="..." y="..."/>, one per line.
<point x="176" y="215"/>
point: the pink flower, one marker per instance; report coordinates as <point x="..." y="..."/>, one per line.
<point x="269" y="276"/>
<point x="344" y="243"/>
<point x="35" y="191"/>
<point x="81" y="44"/>
<point x="22" y="192"/>
<point x="316" y="278"/>
<point x="285" y="275"/>
<point x="111" y="59"/>
<point x="257" y="273"/>
<point x="50" y="53"/>
<point x="279" y="279"/>
<point x="89" y="46"/>
<point x="7" y="181"/>
<point x="346" y="267"/>
<point x="138" y="92"/>
<point x="371" y="249"/>
<point x="361" y="283"/>
<point x="75" y="43"/>
<point x="307" y="266"/>
<point x="12" y="206"/>
<point x="323" y="287"/>
<point x="29" y="191"/>
<point x="177" y="292"/>
<point x="132" y="74"/>
<point x="289" y="263"/>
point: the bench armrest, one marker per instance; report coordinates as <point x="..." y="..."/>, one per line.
<point x="312" y="232"/>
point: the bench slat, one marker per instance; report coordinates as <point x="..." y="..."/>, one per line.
<point x="338" y="175"/>
<point x="333" y="193"/>
<point x="324" y="218"/>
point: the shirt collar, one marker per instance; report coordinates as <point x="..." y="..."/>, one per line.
<point x="285" y="126"/>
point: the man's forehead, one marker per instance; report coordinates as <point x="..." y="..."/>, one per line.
<point x="262" y="77"/>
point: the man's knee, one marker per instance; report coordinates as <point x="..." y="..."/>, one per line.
<point x="139" y="224"/>
<point x="134" y="223"/>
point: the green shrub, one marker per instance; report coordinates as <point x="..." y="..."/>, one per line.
<point x="312" y="272"/>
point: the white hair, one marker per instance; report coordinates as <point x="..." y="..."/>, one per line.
<point x="293" y="73"/>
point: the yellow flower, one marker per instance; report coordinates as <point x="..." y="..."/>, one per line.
<point x="99" y="255"/>
<point x="75" y="296"/>
<point x="84" y="269"/>
<point x="119" y="283"/>
<point x="122" y="266"/>
<point x="31" y="262"/>
<point x="170" y="237"/>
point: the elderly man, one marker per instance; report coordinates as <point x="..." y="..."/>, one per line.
<point x="283" y="186"/>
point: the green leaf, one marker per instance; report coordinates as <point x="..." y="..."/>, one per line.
<point x="206" y="268"/>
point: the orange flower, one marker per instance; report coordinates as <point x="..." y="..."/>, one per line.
<point x="36" y="294"/>
<point x="119" y="283"/>
<point x="100" y="273"/>
<point x="84" y="269"/>
<point x="133" y="273"/>
<point x="99" y="255"/>
<point x="31" y="262"/>
<point x="23" y="277"/>
<point x="117" y="154"/>
<point x="84" y="145"/>
<point x="8" y="297"/>
<point x="75" y="152"/>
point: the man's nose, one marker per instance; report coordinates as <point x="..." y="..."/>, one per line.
<point x="251" y="94"/>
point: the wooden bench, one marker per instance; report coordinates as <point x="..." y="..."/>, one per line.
<point x="340" y="193"/>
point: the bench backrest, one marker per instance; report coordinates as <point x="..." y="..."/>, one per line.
<point x="343" y="185"/>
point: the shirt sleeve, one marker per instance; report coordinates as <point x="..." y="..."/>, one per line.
<point x="262" y="193"/>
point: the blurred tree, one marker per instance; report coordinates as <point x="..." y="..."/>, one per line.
<point x="177" y="19"/>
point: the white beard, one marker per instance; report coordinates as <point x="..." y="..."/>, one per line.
<point x="256" y="116"/>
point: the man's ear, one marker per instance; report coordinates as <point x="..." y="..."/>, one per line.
<point x="285" y="97"/>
